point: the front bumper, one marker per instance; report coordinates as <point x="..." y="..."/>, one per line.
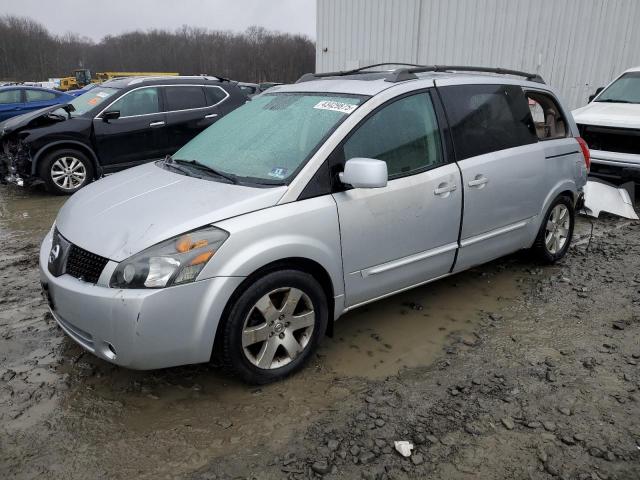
<point x="15" y="164"/>
<point x="139" y="329"/>
<point x="615" y="164"/>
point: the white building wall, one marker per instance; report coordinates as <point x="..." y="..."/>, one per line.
<point x="576" y="45"/>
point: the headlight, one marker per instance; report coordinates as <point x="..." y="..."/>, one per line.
<point x="172" y="262"/>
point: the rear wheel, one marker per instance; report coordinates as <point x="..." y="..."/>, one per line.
<point x="66" y="171"/>
<point x="554" y="237"/>
<point x="274" y="326"/>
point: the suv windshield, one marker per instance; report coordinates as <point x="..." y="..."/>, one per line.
<point x="269" y="138"/>
<point x="89" y="100"/>
<point x="625" y="89"/>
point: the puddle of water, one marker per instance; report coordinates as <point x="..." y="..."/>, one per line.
<point x="27" y="212"/>
<point x="410" y="329"/>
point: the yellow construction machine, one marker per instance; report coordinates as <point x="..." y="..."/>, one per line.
<point x="82" y="77"/>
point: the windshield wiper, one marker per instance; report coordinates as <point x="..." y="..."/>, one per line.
<point x="206" y="168"/>
<point x="168" y="161"/>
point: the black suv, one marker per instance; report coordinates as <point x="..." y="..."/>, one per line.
<point x="119" y="124"/>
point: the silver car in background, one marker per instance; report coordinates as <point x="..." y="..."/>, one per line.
<point x="309" y="201"/>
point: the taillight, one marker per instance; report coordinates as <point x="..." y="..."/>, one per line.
<point x="585" y="152"/>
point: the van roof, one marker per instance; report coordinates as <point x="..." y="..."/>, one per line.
<point x="371" y="80"/>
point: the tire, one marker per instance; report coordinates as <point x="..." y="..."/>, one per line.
<point x="556" y="231"/>
<point x="65" y="171"/>
<point x="262" y="348"/>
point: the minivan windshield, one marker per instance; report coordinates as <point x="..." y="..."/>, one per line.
<point x="89" y="100"/>
<point x="625" y="89"/>
<point x="269" y="139"/>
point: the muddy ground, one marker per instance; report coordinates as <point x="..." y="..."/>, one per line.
<point x="511" y="370"/>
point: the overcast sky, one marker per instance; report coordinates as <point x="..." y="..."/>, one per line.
<point x="97" y="18"/>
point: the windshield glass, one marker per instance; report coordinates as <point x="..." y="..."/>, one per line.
<point x="88" y="100"/>
<point x="269" y="138"/>
<point x="625" y="89"/>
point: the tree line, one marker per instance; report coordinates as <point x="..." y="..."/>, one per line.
<point x="29" y="52"/>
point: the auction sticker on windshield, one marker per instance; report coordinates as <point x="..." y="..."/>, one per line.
<point x="278" y="172"/>
<point x="335" y="106"/>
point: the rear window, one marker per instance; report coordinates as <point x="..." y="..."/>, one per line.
<point x="214" y="95"/>
<point x="547" y="116"/>
<point x="185" y="97"/>
<point x="487" y="118"/>
<point x="39" y="95"/>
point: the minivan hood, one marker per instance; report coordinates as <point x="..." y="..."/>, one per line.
<point x="129" y="211"/>
<point x="24" y="120"/>
<point x="605" y="114"/>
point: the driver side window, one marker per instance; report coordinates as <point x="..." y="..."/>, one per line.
<point x="404" y="134"/>
<point x="139" y="102"/>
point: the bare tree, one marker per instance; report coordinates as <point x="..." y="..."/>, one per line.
<point x="28" y="51"/>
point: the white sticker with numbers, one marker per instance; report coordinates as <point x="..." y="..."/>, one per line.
<point x="335" y="106"/>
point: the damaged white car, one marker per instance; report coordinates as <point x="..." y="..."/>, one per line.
<point x="610" y="124"/>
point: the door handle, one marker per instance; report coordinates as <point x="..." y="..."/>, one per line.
<point x="444" y="189"/>
<point x="478" y="182"/>
<point x="211" y="115"/>
<point x="156" y="124"/>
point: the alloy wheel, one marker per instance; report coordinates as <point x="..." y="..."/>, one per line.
<point x="278" y="328"/>
<point x="557" y="229"/>
<point x="68" y="173"/>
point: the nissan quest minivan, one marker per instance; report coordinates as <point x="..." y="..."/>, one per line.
<point x="309" y="201"/>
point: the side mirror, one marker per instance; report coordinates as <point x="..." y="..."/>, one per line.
<point x="111" y="115"/>
<point x="364" y="173"/>
<point x="598" y="90"/>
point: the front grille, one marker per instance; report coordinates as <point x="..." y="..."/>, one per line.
<point x="622" y="140"/>
<point x="84" y="265"/>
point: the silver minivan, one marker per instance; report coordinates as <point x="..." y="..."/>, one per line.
<point x="309" y="201"/>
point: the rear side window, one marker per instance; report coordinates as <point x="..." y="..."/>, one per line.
<point x="404" y="134"/>
<point x="214" y="95"/>
<point x="185" y="97"/>
<point x="547" y="116"/>
<point x="138" y="102"/>
<point x="39" y="96"/>
<point x="10" y="96"/>
<point x="487" y="118"/>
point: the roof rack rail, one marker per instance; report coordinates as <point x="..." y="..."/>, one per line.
<point x="402" y="74"/>
<point x="311" y="76"/>
<point x="408" y="71"/>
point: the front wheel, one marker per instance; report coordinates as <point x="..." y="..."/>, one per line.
<point x="66" y="171"/>
<point x="556" y="231"/>
<point x="274" y="326"/>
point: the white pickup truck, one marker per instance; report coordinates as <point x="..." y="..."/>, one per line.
<point x="610" y="124"/>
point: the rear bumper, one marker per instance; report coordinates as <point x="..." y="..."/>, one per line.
<point x="139" y="329"/>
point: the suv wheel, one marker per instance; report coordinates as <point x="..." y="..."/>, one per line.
<point x="274" y="326"/>
<point x="554" y="237"/>
<point x="66" y="171"/>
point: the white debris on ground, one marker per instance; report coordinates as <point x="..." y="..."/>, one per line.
<point x="403" y="447"/>
<point x="604" y="197"/>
